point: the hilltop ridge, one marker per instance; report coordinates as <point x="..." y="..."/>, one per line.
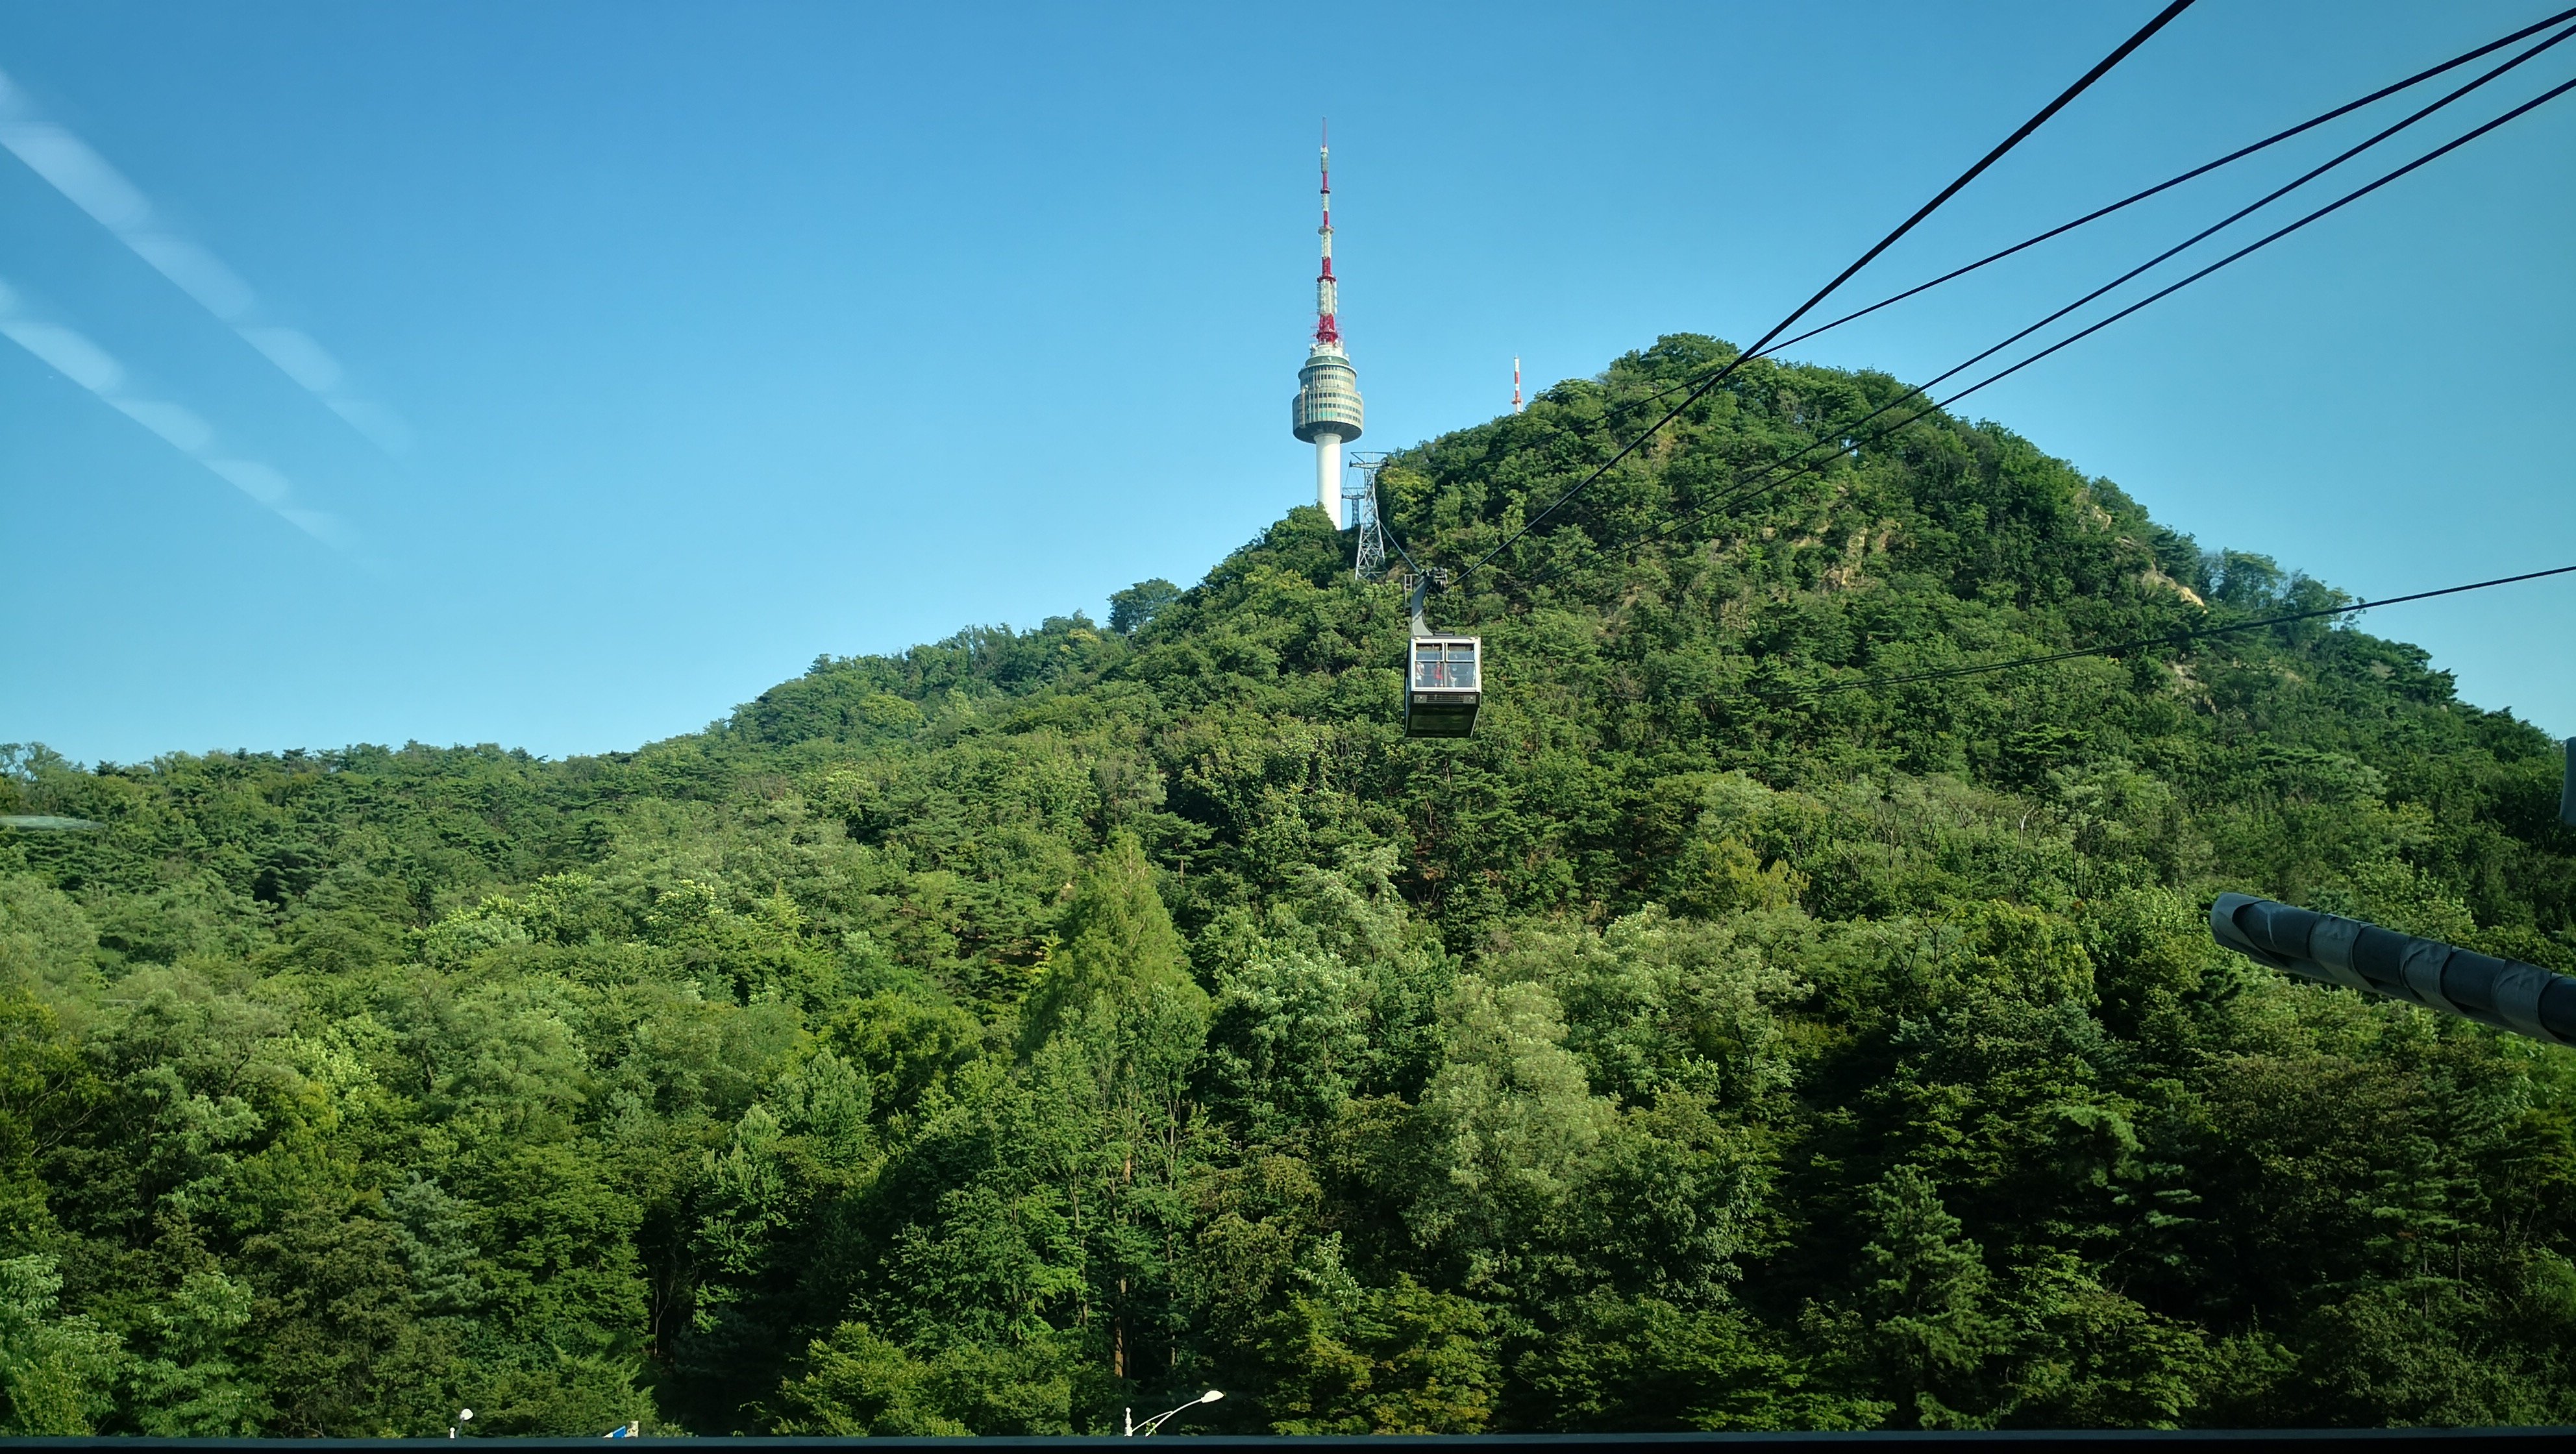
<point x="984" y="1037"/>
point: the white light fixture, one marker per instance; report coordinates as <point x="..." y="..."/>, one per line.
<point x="1146" y="1429"/>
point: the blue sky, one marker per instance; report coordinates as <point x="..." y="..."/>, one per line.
<point x="562" y="375"/>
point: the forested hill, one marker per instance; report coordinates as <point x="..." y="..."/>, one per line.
<point x="1040" y="1023"/>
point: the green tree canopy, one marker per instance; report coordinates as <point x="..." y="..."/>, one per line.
<point x="1003" y="1033"/>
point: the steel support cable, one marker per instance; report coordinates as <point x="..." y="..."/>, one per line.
<point x="1378" y="504"/>
<point x="1764" y="482"/>
<point x="1401" y="553"/>
<point x="2083" y="83"/>
<point x="2275" y="139"/>
<point x="2347" y="108"/>
<point x="1765" y="485"/>
<point x="2169" y="638"/>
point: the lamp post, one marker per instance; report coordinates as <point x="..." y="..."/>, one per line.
<point x="463" y="1416"/>
<point x="1147" y="1428"/>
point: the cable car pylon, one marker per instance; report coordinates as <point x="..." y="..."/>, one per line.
<point x="1360" y="510"/>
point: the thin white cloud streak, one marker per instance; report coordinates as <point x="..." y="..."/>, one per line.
<point x="72" y="355"/>
<point x="183" y="429"/>
<point x="75" y="357"/>
<point x="84" y="177"/>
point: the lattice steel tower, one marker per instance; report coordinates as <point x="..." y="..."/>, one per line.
<point x="1327" y="409"/>
<point x="1368" y="549"/>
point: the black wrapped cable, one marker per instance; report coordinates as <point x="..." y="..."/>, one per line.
<point x="2504" y="993"/>
<point x="2567" y="787"/>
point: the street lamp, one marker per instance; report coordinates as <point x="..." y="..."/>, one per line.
<point x="463" y="1416"/>
<point x="1147" y="1428"/>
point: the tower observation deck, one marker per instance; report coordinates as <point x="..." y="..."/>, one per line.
<point x="1326" y="412"/>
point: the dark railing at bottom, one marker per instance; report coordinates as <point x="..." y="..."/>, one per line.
<point x="2021" y="1441"/>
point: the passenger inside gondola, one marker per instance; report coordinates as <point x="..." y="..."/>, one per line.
<point x="1444" y="666"/>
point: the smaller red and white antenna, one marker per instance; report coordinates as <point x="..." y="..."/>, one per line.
<point x="1516" y="383"/>
<point x="1328" y="328"/>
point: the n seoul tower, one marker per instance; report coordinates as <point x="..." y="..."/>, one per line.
<point x="1327" y="410"/>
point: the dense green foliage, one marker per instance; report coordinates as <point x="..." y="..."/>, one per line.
<point x="1040" y="1023"/>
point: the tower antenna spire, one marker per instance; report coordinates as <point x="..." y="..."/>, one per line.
<point x="1516" y="383"/>
<point x="1327" y="409"/>
<point x="1328" y="328"/>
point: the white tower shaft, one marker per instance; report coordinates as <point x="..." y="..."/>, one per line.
<point x="1328" y="475"/>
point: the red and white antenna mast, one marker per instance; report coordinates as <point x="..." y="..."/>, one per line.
<point x="1516" y="383"/>
<point x="1327" y="303"/>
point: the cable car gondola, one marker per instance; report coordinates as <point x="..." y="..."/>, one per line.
<point x="1444" y="677"/>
